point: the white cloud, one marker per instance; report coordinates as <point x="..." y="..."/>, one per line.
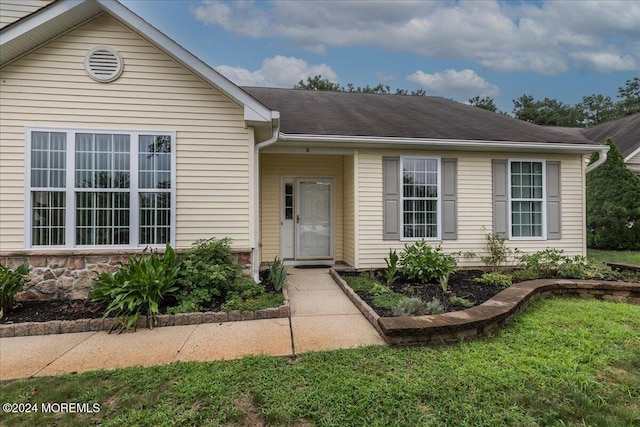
<point x="542" y="37"/>
<point x="279" y="71"/>
<point x="604" y="62"/>
<point x="461" y="85"/>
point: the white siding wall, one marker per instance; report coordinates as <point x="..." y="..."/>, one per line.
<point x="13" y="10"/>
<point x="474" y="206"/>
<point x="349" y="210"/>
<point x="50" y="88"/>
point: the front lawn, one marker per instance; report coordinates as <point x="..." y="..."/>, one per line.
<point x="560" y="362"/>
<point x="601" y="256"/>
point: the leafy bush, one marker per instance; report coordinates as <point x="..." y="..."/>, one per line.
<point x="545" y="262"/>
<point x="434" y="306"/>
<point x="11" y="281"/>
<point x="518" y="276"/>
<point x="498" y="252"/>
<point x="422" y="262"/>
<point x="245" y="292"/>
<point x="579" y="267"/>
<point x="391" y="272"/>
<point x="208" y="271"/>
<point x="277" y="274"/>
<point x="137" y="287"/>
<point x="409" y="307"/>
<point x="495" y="279"/>
<point x="613" y="204"/>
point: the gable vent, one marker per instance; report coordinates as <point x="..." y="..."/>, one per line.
<point x="103" y="63"/>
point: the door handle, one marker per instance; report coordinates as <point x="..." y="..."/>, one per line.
<point x="297" y="219"/>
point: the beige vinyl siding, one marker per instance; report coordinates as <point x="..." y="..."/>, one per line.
<point x="13" y="10"/>
<point x="634" y="163"/>
<point x="350" y="216"/>
<point x="50" y="88"/>
<point x="474" y="205"/>
<point x="273" y="167"/>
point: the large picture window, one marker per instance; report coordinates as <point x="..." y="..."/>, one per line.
<point x="420" y="197"/>
<point x="98" y="189"/>
<point x="527" y="198"/>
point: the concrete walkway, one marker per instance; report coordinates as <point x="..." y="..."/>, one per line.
<point x="322" y="318"/>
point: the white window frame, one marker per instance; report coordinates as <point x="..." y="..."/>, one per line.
<point x="544" y="199"/>
<point x="71" y="190"/>
<point x="438" y="199"/>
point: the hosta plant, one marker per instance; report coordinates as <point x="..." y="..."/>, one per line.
<point x="11" y="281"/>
<point x="137" y="288"/>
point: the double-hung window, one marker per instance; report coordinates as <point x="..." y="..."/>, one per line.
<point x="420" y="204"/>
<point x="100" y="189"/>
<point x="527" y="193"/>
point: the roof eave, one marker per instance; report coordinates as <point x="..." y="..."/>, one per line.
<point x="440" y="144"/>
<point x="254" y="112"/>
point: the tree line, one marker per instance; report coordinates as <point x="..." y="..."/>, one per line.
<point x="593" y="109"/>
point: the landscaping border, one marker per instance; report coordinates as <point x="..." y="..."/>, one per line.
<point x="90" y="325"/>
<point x="482" y="320"/>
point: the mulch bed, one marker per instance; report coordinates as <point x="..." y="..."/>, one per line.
<point x="461" y="284"/>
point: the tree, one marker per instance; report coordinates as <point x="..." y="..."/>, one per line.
<point x="630" y="95"/>
<point x="318" y="83"/>
<point x="613" y="204"/>
<point x="548" y="112"/>
<point x="597" y="109"/>
<point x="485" y="103"/>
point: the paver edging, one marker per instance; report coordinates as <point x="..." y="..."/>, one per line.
<point x="90" y="325"/>
<point x="482" y="320"/>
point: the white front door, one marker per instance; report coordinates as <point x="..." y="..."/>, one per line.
<point x="314" y="228"/>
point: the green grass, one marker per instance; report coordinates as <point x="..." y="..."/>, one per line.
<point x="562" y="362"/>
<point x="600" y="256"/>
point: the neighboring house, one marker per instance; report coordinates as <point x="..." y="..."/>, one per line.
<point x="625" y="132"/>
<point x="114" y="138"/>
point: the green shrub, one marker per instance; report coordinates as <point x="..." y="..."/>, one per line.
<point x="391" y="272"/>
<point x="545" y="262"/>
<point x="498" y="252"/>
<point x="387" y="300"/>
<point x="434" y="306"/>
<point x="495" y="279"/>
<point x="579" y="267"/>
<point x="518" y="276"/>
<point x="208" y="271"/>
<point x="613" y="204"/>
<point x="422" y="262"/>
<point x="277" y="274"/>
<point x="11" y="281"/>
<point x="137" y="287"/>
<point x="454" y="300"/>
<point x="409" y="307"/>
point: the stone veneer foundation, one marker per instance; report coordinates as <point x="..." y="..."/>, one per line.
<point x="68" y="275"/>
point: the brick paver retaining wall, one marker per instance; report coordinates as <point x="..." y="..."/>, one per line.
<point x="482" y="320"/>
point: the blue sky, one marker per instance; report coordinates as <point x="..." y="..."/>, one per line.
<point x="456" y="49"/>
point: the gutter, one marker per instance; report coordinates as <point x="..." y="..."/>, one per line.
<point x="601" y="158"/>
<point x="445" y="144"/>
<point x="275" y="133"/>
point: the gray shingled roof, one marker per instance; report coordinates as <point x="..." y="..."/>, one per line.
<point x="625" y="132"/>
<point x="401" y="116"/>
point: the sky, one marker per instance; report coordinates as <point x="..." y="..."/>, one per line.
<point x="456" y="49"/>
